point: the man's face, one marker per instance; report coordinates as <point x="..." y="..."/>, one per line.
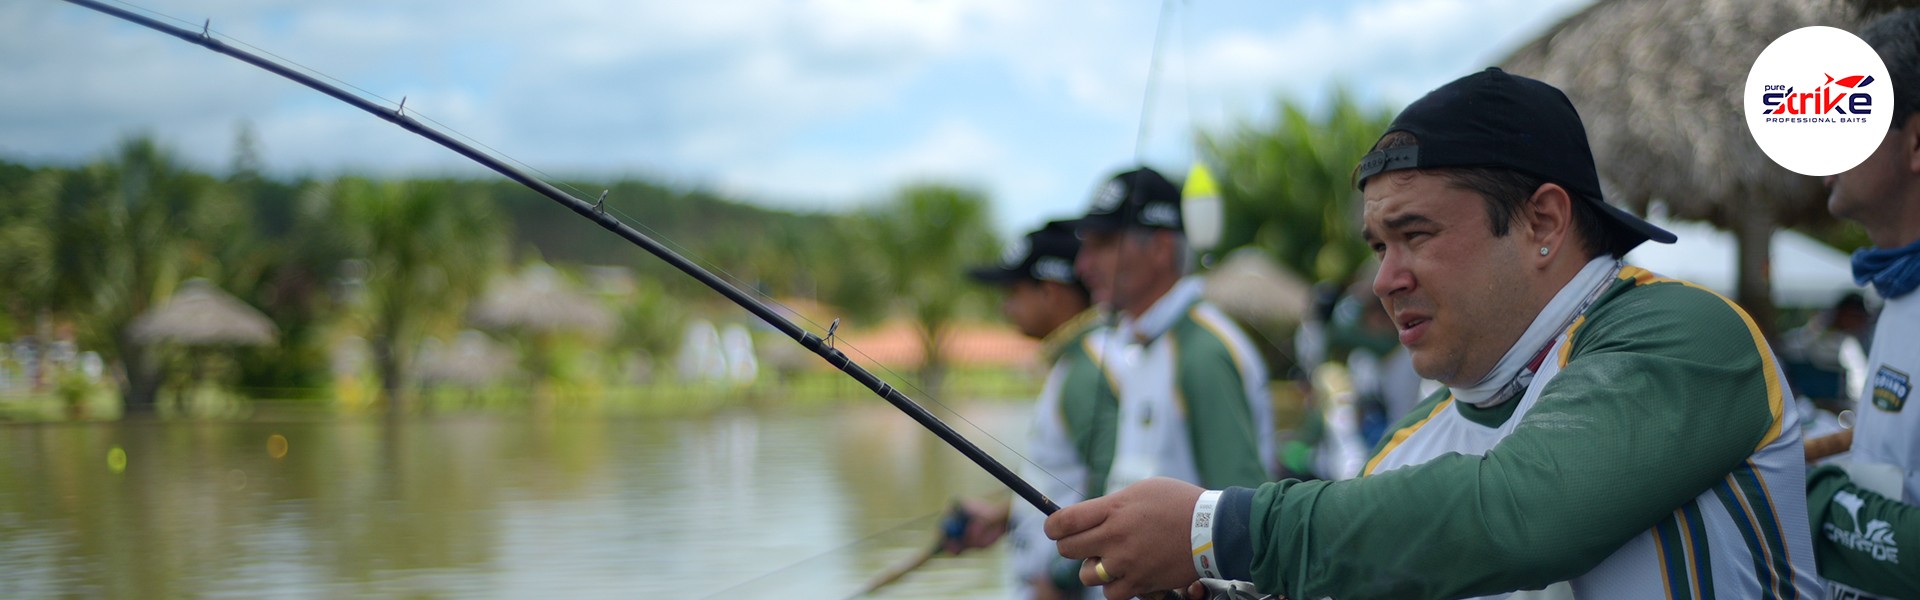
<point x="1026" y="305"/>
<point x="1114" y="264"/>
<point x="1097" y="263"/>
<point x="1455" y="292"/>
<point x="1866" y="191"/>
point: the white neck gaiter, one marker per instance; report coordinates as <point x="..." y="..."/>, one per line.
<point x="1511" y="375"/>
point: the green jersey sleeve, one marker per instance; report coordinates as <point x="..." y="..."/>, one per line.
<point x="1226" y="447"/>
<point x="1663" y="392"/>
<point x="1858" y="535"/>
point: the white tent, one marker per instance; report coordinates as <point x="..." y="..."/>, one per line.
<point x="1806" y="272"/>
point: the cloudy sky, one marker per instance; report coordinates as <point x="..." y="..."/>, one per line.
<point x="807" y="104"/>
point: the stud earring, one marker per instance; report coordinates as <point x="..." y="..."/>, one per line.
<point x="1543" y="250"/>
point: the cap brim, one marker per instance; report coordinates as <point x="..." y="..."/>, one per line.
<point x="1635" y="228"/>
<point x="995" y="275"/>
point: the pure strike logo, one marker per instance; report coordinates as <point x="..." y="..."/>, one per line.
<point x="1823" y="104"/>
<point x="1818" y="101"/>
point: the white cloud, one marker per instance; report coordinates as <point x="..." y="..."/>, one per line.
<point x="1387" y="52"/>
<point x="816" y="100"/>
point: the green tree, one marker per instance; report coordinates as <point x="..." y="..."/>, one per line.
<point x="29" y="245"/>
<point x="916" y="248"/>
<point x="1288" y="189"/>
<point x="132" y="228"/>
<point x="427" y="247"/>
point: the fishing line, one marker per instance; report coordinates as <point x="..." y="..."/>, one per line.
<point x="1153" y="75"/>
<point x="621" y="224"/>
<point x="917" y="522"/>
<point x="1127" y="236"/>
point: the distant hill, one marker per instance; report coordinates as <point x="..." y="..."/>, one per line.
<point x="768" y="248"/>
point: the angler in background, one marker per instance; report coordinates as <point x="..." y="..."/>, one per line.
<point x="1600" y="425"/>
<point x="1866" y="512"/>
<point x="1046" y="301"/>
<point x="1190" y="388"/>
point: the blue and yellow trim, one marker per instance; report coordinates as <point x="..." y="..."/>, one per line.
<point x="1776" y="394"/>
<point x="1401" y="436"/>
<point x="1745" y="496"/>
<point x="1686" y="561"/>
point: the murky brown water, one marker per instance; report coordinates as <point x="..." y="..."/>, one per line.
<point x="743" y="505"/>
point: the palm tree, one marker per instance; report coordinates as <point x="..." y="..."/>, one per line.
<point x="29" y="245"/>
<point x="916" y="248"/>
<point x="132" y="228"/>
<point x="428" y="249"/>
<point x="1288" y="187"/>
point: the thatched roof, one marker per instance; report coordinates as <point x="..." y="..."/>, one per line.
<point x="1251" y="287"/>
<point x="540" y="300"/>
<point x="1658" y="84"/>
<point x="202" y="315"/>
<point x="471" y="360"/>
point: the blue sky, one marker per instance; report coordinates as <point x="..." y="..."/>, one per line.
<point x="820" y="104"/>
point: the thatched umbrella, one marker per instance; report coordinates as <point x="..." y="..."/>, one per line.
<point x="1658" y="84"/>
<point x="202" y="315"/>
<point x="541" y="305"/>
<point x="473" y="360"/>
<point x="539" y="301"/>
<point x="1250" y="287"/>
<point x="202" y="319"/>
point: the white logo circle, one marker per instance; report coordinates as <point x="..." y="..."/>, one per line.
<point x="1109" y="196"/>
<point x="1818" y="101"/>
<point x="1015" y="253"/>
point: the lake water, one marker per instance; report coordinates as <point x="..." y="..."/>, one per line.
<point x="739" y="505"/>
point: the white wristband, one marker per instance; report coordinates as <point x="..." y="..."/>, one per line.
<point x="1204" y="562"/>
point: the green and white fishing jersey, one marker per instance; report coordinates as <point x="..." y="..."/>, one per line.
<point x="1192" y="395"/>
<point x="1653" y="455"/>
<point x="1888" y="431"/>
<point x="1069" y="411"/>
<point x="1863" y="522"/>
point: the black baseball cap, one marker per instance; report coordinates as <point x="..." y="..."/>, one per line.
<point x="1138" y="198"/>
<point x="1044" y="255"/>
<point x="1497" y="119"/>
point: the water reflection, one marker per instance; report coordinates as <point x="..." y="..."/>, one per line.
<point x="767" y="504"/>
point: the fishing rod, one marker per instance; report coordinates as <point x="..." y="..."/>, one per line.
<point x="822" y="346"/>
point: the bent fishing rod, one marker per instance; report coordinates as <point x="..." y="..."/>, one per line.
<point x="824" y="347"/>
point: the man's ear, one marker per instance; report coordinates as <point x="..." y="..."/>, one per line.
<point x="1909" y="135"/>
<point x="1548" y="216"/>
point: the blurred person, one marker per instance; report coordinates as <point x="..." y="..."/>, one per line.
<point x="1191" y="389"/>
<point x="1045" y="300"/>
<point x="1864" y="513"/>
<point x="1600" y="425"/>
<point x="1826" y="363"/>
<point x="1310" y="343"/>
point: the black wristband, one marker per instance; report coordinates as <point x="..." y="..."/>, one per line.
<point x="1232" y="534"/>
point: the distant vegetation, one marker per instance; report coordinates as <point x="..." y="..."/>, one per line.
<point x="388" y="265"/>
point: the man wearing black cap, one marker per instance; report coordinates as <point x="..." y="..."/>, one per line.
<point x="1046" y="301"/>
<point x="1193" y="403"/>
<point x="1866" y="512"/>
<point x="1600" y="424"/>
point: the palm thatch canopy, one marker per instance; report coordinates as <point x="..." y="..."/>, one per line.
<point x="1659" y="86"/>
<point x="540" y="300"/>
<point x="1250" y="287"/>
<point x="472" y="360"/>
<point x="202" y="315"/>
